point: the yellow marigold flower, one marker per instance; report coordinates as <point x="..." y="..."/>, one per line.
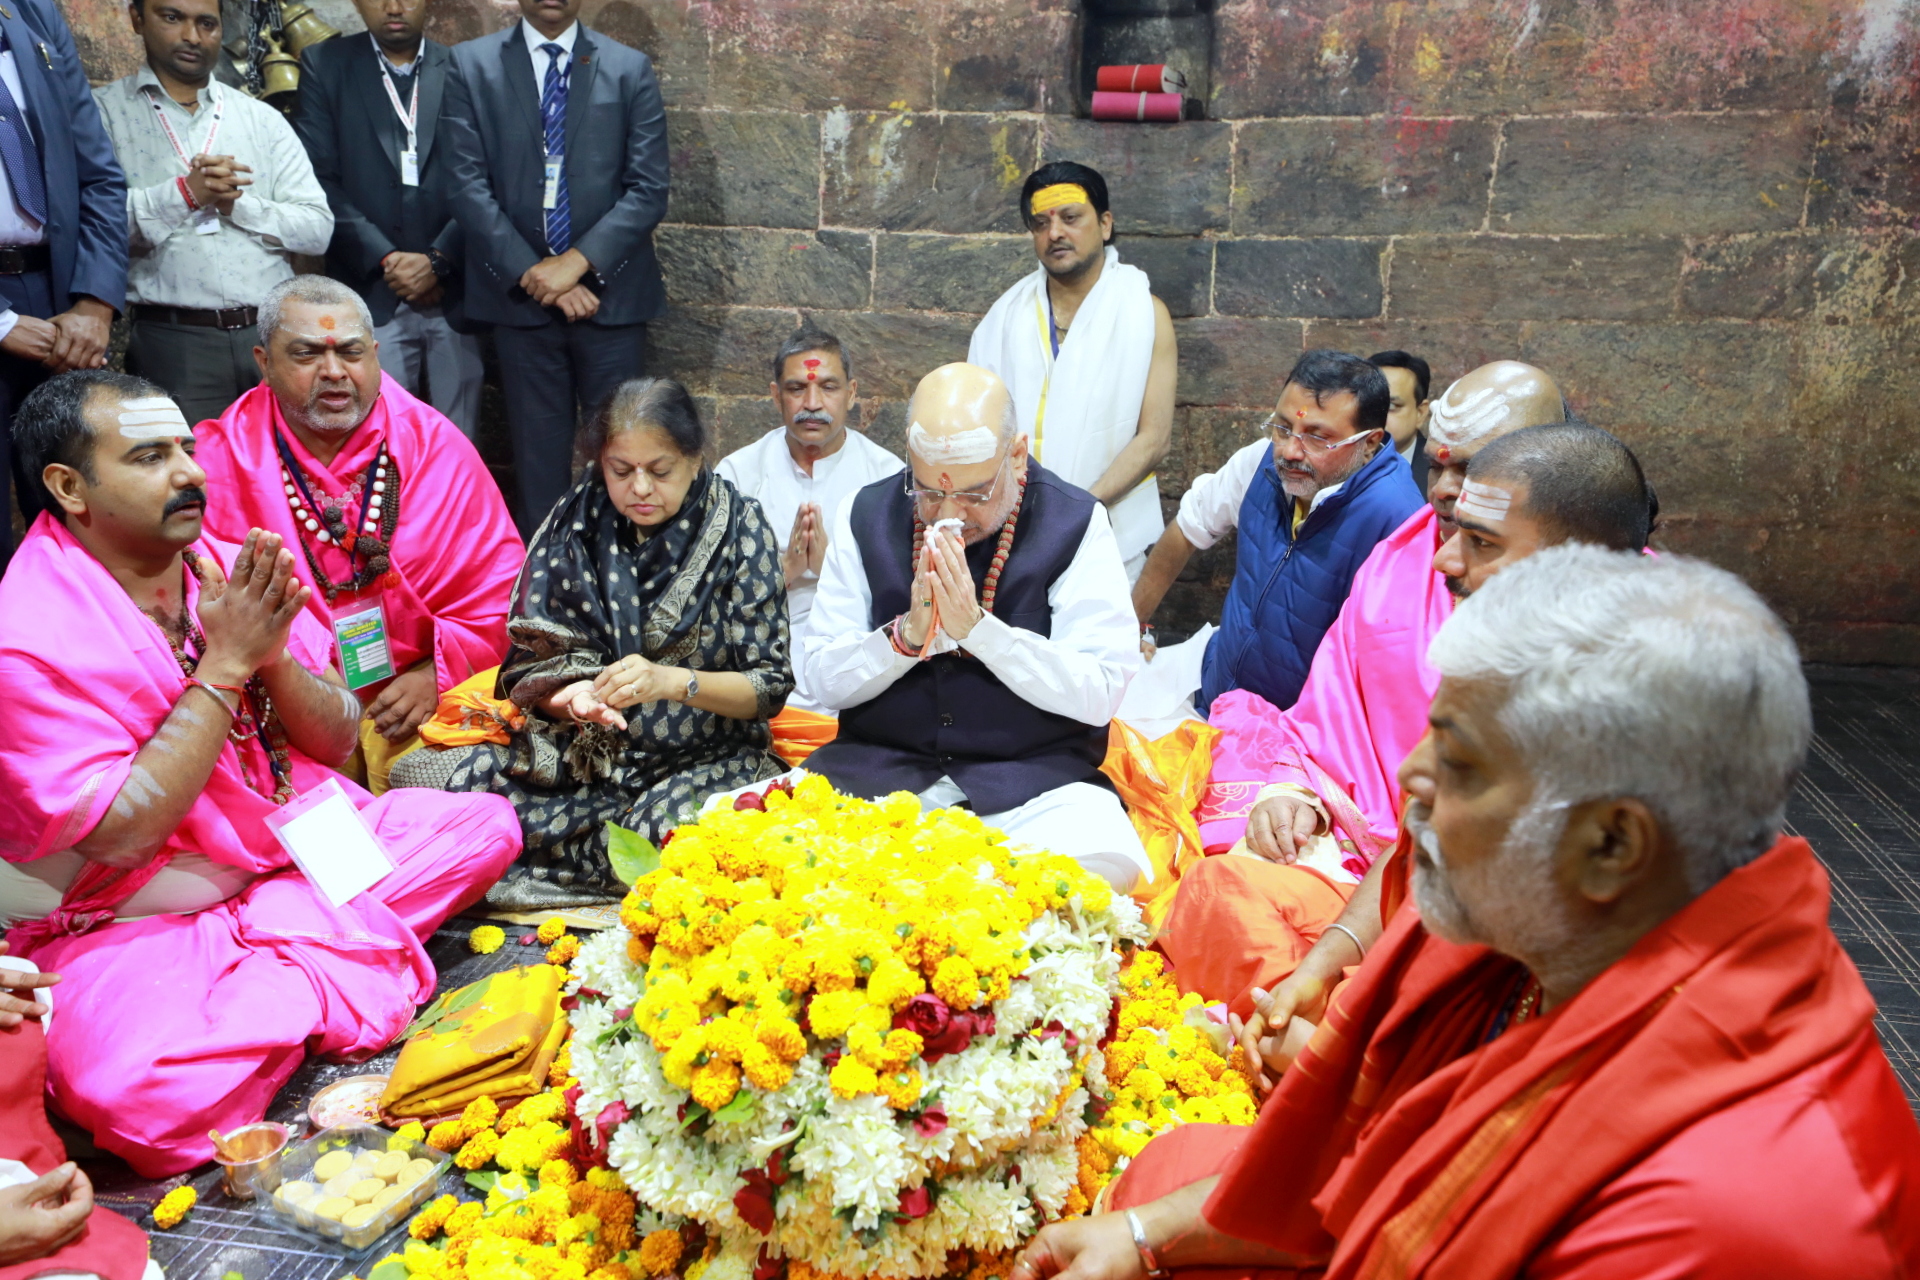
<point x="868" y="1045"/>
<point x="562" y="953"/>
<point x="480" y="1114"/>
<point x="479" y="1150"/>
<point x="902" y="1088"/>
<point x="579" y="1227"/>
<point x="956" y="982"/>
<point x="902" y="1047"/>
<point x="763" y="1069"/>
<point x="1130" y="1143"/>
<point x="1121" y="1059"/>
<point x="427" y="1223"/>
<point x="550" y="930"/>
<point x="1199" y="1111"/>
<point x="464" y="1218"/>
<point x="411" y="1131"/>
<point x="173" y="1207"/>
<point x="783" y="1037"/>
<point x="1236" y="1108"/>
<point x="558" y="1173"/>
<point x="421" y="1259"/>
<point x="715" y="1084"/>
<point x="448" y="1135"/>
<point x="1192" y="1079"/>
<point x="727" y="1039"/>
<point x="1144" y="1082"/>
<point x="562" y="1066"/>
<point x="550" y="1206"/>
<point x="486" y="939"/>
<point x="833" y="1012"/>
<point x="851" y="1077"/>
<point x="834" y="971"/>
<point x="660" y="1252"/>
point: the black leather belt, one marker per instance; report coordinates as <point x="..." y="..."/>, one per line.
<point x="199" y="317"/>
<point x="19" y="259"/>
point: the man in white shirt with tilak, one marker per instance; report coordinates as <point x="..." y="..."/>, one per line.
<point x="220" y="197"/>
<point x="972" y="629"/>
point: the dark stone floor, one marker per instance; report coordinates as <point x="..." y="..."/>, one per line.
<point x="1859" y="805"/>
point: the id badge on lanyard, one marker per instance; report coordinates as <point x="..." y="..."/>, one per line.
<point x="409" y="115"/>
<point x="365" y="657"/>
<point x="206" y="221"/>
<point x="550" y="197"/>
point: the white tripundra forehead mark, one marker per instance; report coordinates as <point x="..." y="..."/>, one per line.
<point x="961" y="449"/>
<point x="1483" y="501"/>
<point x="145" y="417"/>
<point x="1460" y="422"/>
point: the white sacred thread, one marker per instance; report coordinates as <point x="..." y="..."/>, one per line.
<point x="1460" y="422"/>
<point x="148" y="417"/>
<point x="961" y="449"/>
<point x="1483" y="501"/>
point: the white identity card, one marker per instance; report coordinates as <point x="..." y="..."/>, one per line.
<point x="550" y="197"/>
<point x="331" y="843"/>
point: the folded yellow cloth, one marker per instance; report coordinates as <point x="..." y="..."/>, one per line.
<point x="494" y="1039"/>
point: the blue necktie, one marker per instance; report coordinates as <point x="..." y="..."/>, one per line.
<point x="20" y="154"/>
<point x="553" y="119"/>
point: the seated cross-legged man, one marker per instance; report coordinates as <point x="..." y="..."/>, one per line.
<point x="1307" y="503"/>
<point x="385" y="504"/>
<point x="972" y="630"/>
<point x="1616" y="1038"/>
<point x="1328" y="801"/>
<point x="168" y="695"/>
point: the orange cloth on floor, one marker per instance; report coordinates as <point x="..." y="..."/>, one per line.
<point x="1240" y="922"/>
<point x="798" y="734"/>
<point x="469" y="714"/>
<point x="1714" y="1103"/>
<point x="1160" y="782"/>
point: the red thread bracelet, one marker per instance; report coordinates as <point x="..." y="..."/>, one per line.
<point x="212" y="691"/>
<point x="186" y="193"/>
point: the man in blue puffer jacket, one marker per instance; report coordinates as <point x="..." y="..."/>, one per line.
<point x="1309" y="503"/>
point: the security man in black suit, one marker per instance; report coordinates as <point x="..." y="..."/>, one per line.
<point x="559" y="149"/>
<point x="369" y="114"/>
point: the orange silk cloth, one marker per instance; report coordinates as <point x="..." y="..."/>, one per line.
<point x="798" y="734"/>
<point x="1399" y="1145"/>
<point x="469" y="714"/>
<point x="1160" y="782"/>
<point x="1242" y="922"/>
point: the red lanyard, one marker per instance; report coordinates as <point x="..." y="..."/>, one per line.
<point x="172" y="137"/>
<point x="411" y="112"/>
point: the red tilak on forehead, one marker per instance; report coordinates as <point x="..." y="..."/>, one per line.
<point x="813" y="369"/>
<point x="1442" y="455"/>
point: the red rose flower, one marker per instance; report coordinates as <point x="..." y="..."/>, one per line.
<point x="754" y="1201"/>
<point x="917" y="1202"/>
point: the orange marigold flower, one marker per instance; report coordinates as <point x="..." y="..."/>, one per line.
<point x="481" y="1148"/>
<point x="558" y="1173"/>
<point x="550" y="930"/>
<point x="173" y="1207"/>
<point x="660" y="1252"/>
<point x="448" y="1135"/>
<point x="428" y="1222"/>
<point x="563" y="952"/>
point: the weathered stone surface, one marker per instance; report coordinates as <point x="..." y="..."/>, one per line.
<point x="1180" y="267"/>
<point x="102" y="36"/>
<point x="905" y="172"/>
<point x="1233" y="361"/>
<point x="896" y="351"/>
<point x="1873" y="276"/>
<point x="1162" y="179"/>
<point x="1451" y="347"/>
<point x="670" y="34"/>
<point x="730" y="266"/>
<point x="1321" y="278"/>
<point x="999" y="57"/>
<point x="812" y="55"/>
<point x="947" y="273"/>
<point x="752" y="169"/>
<point x="1751" y="277"/>
<point x="718" y="350"/>
<point x="1317" y="58"/>
<point x="1661" y="175"/>
<point x="1864" y="175"/>
<point x="1360" y="177"/>
<point x="1203" y="439"/>
<point x="1534" y="278"/>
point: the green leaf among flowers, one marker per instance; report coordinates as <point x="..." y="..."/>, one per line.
<point x="631" y="854"/>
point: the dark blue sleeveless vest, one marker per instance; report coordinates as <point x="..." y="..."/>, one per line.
<point x="950" y="716"/>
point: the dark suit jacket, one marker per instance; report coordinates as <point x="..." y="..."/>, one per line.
<point x="616" y="140"/>
<point x="86" y="192"/>
<point x="1419" y="462"/>
<point x="347" y="124"/>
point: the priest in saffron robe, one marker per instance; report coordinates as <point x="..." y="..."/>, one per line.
<point x="1615" y="1037"/>
<point x="384" y="502"/>
<point x="1318" y="780"/>
<point x="168" y="695"/>
<point x="972" y="629"/>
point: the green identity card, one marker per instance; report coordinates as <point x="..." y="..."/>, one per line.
<point x="364" y="656"/>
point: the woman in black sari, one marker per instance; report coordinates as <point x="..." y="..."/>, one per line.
<point x="648" y="651"/>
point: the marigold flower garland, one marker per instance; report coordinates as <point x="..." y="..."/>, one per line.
<point x="849" y="1035"/>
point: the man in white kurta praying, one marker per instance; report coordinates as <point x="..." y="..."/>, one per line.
<point x="1088" y="353"/>
<point x="974" y="632"/>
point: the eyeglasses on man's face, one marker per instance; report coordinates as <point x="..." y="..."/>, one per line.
<point x="978" y="496"/>
<point x="1274" y="426"/>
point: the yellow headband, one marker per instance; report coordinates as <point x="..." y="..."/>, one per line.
<point x="1060" y="193"/>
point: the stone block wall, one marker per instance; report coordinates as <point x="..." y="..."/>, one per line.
<point x="1700" y="215"/>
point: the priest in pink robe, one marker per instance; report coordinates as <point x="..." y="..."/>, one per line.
<point x="1310" y="795"/>
<point x="168" y="695"/>
<point x="382" y="500"/>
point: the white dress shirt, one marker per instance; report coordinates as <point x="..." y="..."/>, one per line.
<point x="283" y="213"/>
<point x="1080" y="671"/>
<point x="538" y="60"/>
<point x="1210" y="508"/>
<point x="765" y="470"/>
<point x="400" y="69"/>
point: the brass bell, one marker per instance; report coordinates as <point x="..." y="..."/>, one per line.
<point x="300" y="26"/>
<point x="279" y="73"/>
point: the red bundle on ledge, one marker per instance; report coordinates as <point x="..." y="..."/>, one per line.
<point x="1137" y="106"/>
<point x="1153" y="78"/>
